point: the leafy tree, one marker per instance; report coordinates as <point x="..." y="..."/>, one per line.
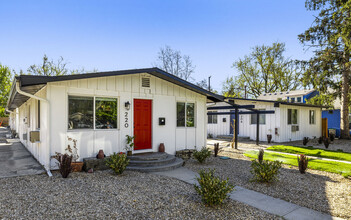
<point x="51" y="68"/>
<point x="5" y="86"/>
<point x="330" y="68"/>
<point x="173" y="62"/>
<point x="265" y="70"/>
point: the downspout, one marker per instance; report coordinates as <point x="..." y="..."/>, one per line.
<point x="18" y="89"/>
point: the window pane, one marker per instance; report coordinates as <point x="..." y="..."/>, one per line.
<point x="180" y="114"/>
<point x="212" y="119"/>
<point x="294" y="116"/>
<point x="289" y="116"/>
<point x="298" y="99"/>
<point x="105" y="113"/>
<point x="262" y="119"/>
<point x="80" y="112"/>
<point x="190" y="115"/>
<point x="312" y="117"/>
<point x="253" y="119"/>
<point x="209" y="119"/>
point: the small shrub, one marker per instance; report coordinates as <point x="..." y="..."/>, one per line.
<point x="339" y="150"/>
<point x="216" y="149"/>
<point x="305" y="140"/>
<point x="202" y="155"/>
<point x="209" y="135"/>
<point x="320" y="140"/>
<point x="213" y="191"/>
<point x="64" y="163"/>
<point x="332" y="137"/>
<point x="260" y="155"/>
<point x="117" y="162"/>
<point x="303" y="163"/>
<point x="266" y="171"/>
<point x="326" y="142"/>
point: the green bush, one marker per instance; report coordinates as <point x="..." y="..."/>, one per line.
<point x="266" y="171"/>
<point x="202" y="155"/>
<point x="117" y="162"/>
<point x="212" y="190"/>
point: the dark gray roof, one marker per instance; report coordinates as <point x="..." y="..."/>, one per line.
<point x="32" y="83"/>
<point x="280" y="102"/>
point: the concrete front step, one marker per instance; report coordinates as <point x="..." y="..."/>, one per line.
<point x="158" y="168"/>
<point x="148" y="156"/>
<point x="148" y="163"/>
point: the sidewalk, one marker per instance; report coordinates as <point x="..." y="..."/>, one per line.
<point x="255" y="199"/>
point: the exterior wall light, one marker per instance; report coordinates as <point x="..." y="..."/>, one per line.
<point x="127" y="105"/>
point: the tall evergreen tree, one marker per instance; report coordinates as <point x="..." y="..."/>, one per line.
<point x="330" y="36"/>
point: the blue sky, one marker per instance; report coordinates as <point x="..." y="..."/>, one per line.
<point x="112" y="35"/>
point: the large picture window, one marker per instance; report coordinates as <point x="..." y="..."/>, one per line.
<point x="80" y="112"/>
<point x="262" y="118"/>
<point x="292" y="116"/>
<point x="212" y="119"/>
<point x="105" y="113"/>
<point x="185" y="114"/>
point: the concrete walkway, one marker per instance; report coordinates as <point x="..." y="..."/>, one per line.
<point x="255" y="199"/>
<point x="15" y="160"/>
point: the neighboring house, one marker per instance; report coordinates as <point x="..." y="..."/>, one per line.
<point x="100" y="109"/>
<point x="299" y="96"/>
<point x="334" y="117"/>
<point x="290" y="122"/>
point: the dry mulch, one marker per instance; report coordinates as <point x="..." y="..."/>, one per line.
<point x="103" y="195"/>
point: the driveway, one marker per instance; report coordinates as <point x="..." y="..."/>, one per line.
<point x="15" y="160"/>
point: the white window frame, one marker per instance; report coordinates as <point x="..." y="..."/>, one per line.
<point x="94" y="111"/>
<point x="185" y="116"/>
<point x="297" y="116"/>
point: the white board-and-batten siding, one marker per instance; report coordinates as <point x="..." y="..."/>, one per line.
<point x="164" y="96"/>
<point x="274" y="122"/>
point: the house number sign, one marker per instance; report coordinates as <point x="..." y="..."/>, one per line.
<point x="126" y="123"/>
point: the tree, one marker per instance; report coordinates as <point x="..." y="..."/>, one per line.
<point x="265" y="70"/>
<point x="5" y="86"/>
<point x="330" y="68"/>
<point x="50" y="68"/>
<point x="173" y="62"/>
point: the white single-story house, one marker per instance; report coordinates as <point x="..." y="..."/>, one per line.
<point x="290" y="121"/>
<point x="100" y="109"/>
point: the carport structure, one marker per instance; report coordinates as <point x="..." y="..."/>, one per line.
<point x="250" y="110"/>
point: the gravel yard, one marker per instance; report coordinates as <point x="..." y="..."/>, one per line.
<point x="103" y="195"/>
<point x="322" y="191"/>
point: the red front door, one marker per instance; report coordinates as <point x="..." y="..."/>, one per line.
<point x="142" y="124"/>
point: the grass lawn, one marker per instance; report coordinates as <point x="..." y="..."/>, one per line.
<point x="315" y="164"/>
<point x="310" y="151"/>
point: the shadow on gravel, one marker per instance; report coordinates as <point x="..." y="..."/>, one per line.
<point x="307" y="190"/>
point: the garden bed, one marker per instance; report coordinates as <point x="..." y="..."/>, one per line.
<point x="103" y="195"/>
<point x="324" y="165"/>
<point x="319" y="190"/>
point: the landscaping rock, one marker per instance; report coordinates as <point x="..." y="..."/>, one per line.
<point x="184" y="154"/>
<point x="94" y="163"/>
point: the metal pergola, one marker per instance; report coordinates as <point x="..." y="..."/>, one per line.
<point x="236" y="107"/>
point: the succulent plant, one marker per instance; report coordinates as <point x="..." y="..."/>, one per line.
<point x="303" y="163"/>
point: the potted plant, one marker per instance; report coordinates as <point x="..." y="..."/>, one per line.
<point x="269" y="136"/>
<point x="77" y="166"/>
<point x="130" y="145"/>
